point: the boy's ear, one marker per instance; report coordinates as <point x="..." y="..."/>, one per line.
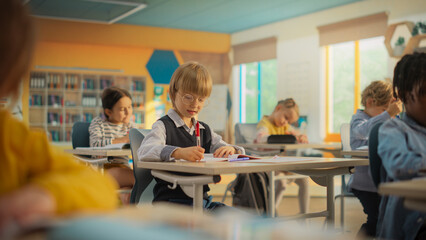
<point x="370" y="102"/>
<point x="278" y="107"/>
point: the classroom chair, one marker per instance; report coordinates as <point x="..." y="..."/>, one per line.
<point x="345" y="130"/>
<point x="378" y="173"/>
<point x="80" y="137"/>
<point x="246" y="133"/>
<point x="192" y="186"/>
<point x="142" y="190"/>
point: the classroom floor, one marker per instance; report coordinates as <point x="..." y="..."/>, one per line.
<point x="354" y="216"/>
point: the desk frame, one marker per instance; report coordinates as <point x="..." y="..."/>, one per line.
<point x="323" y="169"/>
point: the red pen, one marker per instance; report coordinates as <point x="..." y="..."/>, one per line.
<point x="197" y="133"/>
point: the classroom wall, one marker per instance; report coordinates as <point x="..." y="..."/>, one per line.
<point x="298" y="51"/>
<point x="121" y="47"/>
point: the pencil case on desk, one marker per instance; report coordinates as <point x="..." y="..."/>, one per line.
<point x="286" y="138"/>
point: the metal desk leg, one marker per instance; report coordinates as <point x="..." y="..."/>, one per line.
<point x="198" y="198"/>
<point x="272" y="194"/>
<point x="330" y="201"/>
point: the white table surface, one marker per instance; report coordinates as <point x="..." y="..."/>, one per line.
<point x="101" y="152"/>
<point x="315" y="166"/>
<point x="331" y="145"/>
<point x="414" y="192"/>
<point x="355" y="153"/>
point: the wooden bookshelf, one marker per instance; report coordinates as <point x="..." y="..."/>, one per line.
<point x="58" y="99"/>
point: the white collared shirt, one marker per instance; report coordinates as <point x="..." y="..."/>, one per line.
<point x="154" y="148"/>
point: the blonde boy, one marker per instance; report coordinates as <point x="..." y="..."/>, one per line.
<point x="173" y="136"/>
<point x="379" y="107"/>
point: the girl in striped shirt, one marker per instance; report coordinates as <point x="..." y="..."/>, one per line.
<point x="114" y="128"/>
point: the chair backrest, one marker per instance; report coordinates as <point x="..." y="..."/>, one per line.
<point x="245" y="132"/>
<point x="142" y="190"/>
<point x="377" y="170"/>
<point x="80" y="136"/>
<point x="345" y="136"/>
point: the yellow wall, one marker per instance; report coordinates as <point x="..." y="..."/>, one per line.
<point x="120" y="47"/>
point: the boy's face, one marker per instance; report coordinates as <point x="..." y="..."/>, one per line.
<point x="377" y="110"/>
<point x="416" y="108"/>
<point x="189" y="105"/>
<point x="283" y="116"/>
<point x="121" y="112"/>
<point x="373" y="110"/>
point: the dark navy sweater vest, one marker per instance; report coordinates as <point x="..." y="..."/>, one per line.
<point x="179" y="137"/>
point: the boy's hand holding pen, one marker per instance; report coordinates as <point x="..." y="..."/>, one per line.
<point x="191" y="154"/>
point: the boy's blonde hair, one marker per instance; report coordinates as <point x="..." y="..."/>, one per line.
<point x="191" y="77"/>
<point x="16" y="46"/>
<point x="289" y="103"/>
<point x="379" y="91"/>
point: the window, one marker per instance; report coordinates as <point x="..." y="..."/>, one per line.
<point x="351" y="66"/>
<point x="257" y="92"/>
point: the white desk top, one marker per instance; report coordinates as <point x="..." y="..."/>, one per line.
<point x="293" y="146"/>
<point x="103" y="152"/>
<point x="414" y="192"/>
<point x="414" y="189"/>
<point x="355" y="153"/>
<point x="217" y="168"/>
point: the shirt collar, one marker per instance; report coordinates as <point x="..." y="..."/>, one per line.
<point x="412" y="123"/>
<point x="178" y="121"/>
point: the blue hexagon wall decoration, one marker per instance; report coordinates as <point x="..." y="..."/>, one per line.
<point x="161" y="66"/>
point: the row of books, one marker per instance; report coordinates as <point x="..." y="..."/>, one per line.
<point x="55" y="135"/>
<point x="138" y="85"/>
<point x="72" y="118"/>
<point x="88" y="84"/>
<point x="71" y="82"/>
<point x="37" y="80"/>
<point x="138" y="101"/>
<point x="54" y="118"/>
<point x="138" y="118"/>
<point x="88" y="101"/>
<point x="55" y="100"/>
<point x="36" y="100"/>
<point x="105" y="83"/>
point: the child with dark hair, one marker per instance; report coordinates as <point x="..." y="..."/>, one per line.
<point x="402" y="147"/>
<point x="114" y="128"/>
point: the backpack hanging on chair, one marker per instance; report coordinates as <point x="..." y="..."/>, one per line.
<point x="250" y="190"/>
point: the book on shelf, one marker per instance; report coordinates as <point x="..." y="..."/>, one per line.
<point x="116" y="146"/>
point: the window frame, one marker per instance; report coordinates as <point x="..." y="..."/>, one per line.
<point x="331" y="136"/>
<point x="242" y="93"/>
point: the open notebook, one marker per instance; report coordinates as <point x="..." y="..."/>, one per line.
<point x="111" y="146"/>
<point x="208" y="157"/>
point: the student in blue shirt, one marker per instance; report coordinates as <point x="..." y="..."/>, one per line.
<point x="379" y="107"/>
<point x="173" y="136"/>
<point x="402" y="147"/>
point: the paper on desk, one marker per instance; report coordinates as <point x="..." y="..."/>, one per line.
<point x="208" y="157"/>
<point x="277" y="159"/>
<point x="109" y="147"/>
<point x="362" y="148"/>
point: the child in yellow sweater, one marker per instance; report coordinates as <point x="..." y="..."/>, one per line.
<point x="36" y="180"/>
<point x="285" y="113"/>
